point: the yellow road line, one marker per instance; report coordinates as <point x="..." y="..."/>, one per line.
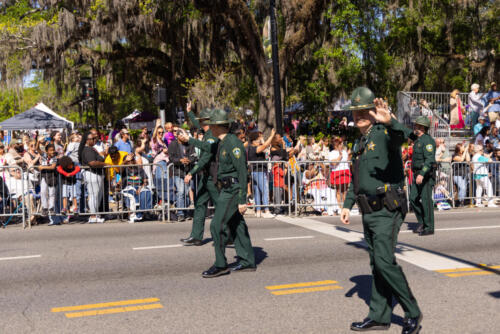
<point x="102" y="305"/>
<point x="476" y="273"/>
<point x="114" y="310"/>
<point x="299" y="285"/>
<point x="466" y="269"/>
<point x="305" y="290"/>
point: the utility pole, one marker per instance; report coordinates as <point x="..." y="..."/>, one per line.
<point x="96" y="97"/>
<point x="276" y="69"/>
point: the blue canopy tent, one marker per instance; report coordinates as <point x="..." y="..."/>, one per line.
<point x="38" y="117"/>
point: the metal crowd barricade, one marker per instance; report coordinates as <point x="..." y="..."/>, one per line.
<point x="322" y="185"/>
<point x="13" y="196"/>
<point x="477" y="182"/>
<point x="443" y="187"/>
<point x="121" y="190"/>
<point x="181" y="195"/>
<point x="271" y="186"/>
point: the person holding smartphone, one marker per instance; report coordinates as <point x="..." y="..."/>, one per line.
<point x="182" y="155"/>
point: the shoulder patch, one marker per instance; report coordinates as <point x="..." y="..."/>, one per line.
<point x="237" y="152"/>
<point x="211" y="140"/>
<point x="428" y="147"/>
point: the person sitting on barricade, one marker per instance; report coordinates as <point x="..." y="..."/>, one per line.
<point x="13" y="156"/>
<point x="182" y="155"/>
<point x="114" y="158"/>
<point x="315" y="185"/>
<point x="135" y="189"/>
<point x="482" y="177"/>
<point x="67" y="175"/>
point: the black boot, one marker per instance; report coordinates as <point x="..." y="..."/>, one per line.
<point x="369" y="325"/>
<point x="215" y="271"/>
<point x="412" y="325"/>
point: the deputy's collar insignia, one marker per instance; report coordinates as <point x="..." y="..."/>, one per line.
<point x="237" y="153"/>
<point x="371" y="146"/>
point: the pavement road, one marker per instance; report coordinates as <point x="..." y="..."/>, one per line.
<point x="313" y="277"/>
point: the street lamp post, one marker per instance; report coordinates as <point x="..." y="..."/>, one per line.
<point x="89" y="89"/>
<point x="276" y="69"/>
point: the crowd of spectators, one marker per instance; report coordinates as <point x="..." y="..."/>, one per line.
<point x="97" y="175"/>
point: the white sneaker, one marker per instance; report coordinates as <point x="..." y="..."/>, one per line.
<point x="492" y="205"/>
<point x="92" y="220"/>
<point x="132" y="219"/>
<point x="99" y="220"/>
<point x="267" y="215"/>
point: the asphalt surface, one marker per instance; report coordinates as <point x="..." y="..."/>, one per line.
<point x="47" y="268"/>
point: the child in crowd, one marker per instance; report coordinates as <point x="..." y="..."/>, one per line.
<point x="47" y="170"/>
<point x="67" y="169"/>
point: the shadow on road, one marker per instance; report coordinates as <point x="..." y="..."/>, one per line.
<point x="401" y="248"/>
<point x="260" y="254"/>
<point x="495" y="294"/>
<point x="412" y="226"/>
<point x="362" y="288"/>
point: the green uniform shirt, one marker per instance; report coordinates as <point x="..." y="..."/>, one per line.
<point x="424" y="154"/>
<point x="232" y="161"/>
<point x="205" y="156"/>
<point x="380" y="162"/>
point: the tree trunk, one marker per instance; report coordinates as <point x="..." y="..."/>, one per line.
<point x="267" y="115"/>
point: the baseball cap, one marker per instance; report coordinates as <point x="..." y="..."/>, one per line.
<point x="481" y="118"/>
<point x="493" y="83"/>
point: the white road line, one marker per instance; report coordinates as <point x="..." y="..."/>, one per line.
<point x="289" y="238"/>
<point x="20" y="257"/>
<point x="421" y="258"/>
<point x="459" y="228"/>
<point x="157" y="247"/>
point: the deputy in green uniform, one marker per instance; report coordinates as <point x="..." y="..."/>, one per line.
<point x="377" y="188"/>
<point x="206" y="189"/>
<point x="230" y="177"/>
<point x="423" y="162"/>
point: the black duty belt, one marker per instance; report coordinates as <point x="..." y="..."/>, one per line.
<point x="226" y="182"/>
<point x="389" y="197"/>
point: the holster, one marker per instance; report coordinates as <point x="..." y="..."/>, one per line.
<point x="392" y="198"/>
<point x="363" y="204"/>
<point x="226" y="182"/>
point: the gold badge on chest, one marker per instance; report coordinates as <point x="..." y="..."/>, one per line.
<point x="224" y="153"/>
<point x="371" y="146"/>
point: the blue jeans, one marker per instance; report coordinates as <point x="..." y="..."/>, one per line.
<point x="260" y="183"/>
<point x="145" y="200"/>
<point x="161" y="183"/>
<point x="182" y="194"/>
<point x="461" y="185"/>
